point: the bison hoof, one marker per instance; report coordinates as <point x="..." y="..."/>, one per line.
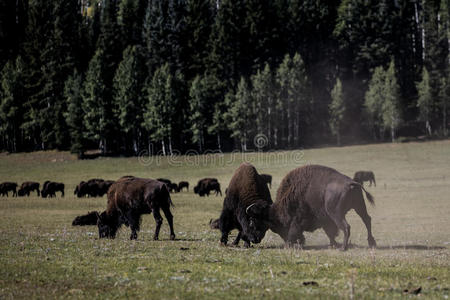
<point x="172" y="237"/>
<point x="155" y="238"/>
<point x="372" y="243"/>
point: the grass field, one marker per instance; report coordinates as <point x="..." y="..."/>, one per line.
<point x="43" y="256"/>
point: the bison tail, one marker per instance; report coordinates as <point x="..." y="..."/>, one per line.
<point x="368" y="195"/>
<point x="165" y="192"/>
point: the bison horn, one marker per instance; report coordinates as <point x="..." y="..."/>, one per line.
<point x="246" y="211"/>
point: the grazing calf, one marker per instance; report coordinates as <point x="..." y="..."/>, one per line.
<point x="89" y="219"/>
<point x="267" y="179"/>
<point x="50" y="188"/>
<point x="27" y="187"/>
<point x="313" y="197"/>
<point x="182" y="185"/>
<point x="362" y="176"/>
<point x="6" y="187"/>
<point x="128" y="199"/>
<point x="246" y="188"/>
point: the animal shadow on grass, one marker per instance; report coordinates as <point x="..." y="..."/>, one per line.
<point x="354" y="246"/>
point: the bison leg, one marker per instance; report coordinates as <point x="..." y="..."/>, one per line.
<point x="345" y="227"/>
<point x="158" y="220"/>
<point x="225" y="225"/>
<point x="133" y="220"/>
<point x="169" y="218"/>
<point x="237" y="239"/>
<point x="295" y="236"/>
<point x="331" y="230"/>
<point x="362" y="212"/>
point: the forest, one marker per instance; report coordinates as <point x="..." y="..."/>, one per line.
<point x="123" y="76"/>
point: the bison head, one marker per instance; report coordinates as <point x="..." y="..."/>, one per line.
<point x="107" y="226"/>
<point x="258" y="215"/>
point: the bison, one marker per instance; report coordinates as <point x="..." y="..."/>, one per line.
<point x="128" y="199"/>
<point x="93" y="188"/>
<point x="50" y="188"/>
<point x="309" y="198"/>
<point x="267" y="179"/>
<point x="28" y="187"/>
<point x="6" y="187"/>
<point x="206" y="185"/>
<point x="246" y="188"/>
<point x="173" y="187"/>
<point x="182" y="185"/>
<point x="166" y="181"/>
<point x="362" y="176"/>
<point x="89" y="219"/>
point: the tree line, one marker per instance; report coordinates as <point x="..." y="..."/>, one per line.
<point x="121" y="75"/>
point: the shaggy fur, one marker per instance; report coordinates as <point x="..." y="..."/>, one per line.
<point x="362" y="176"/>
<point x="182" y="185"/>
<point x="6" y="187"/>
<point x="128" y="199"/>
<point x="27" y="187"/>
<point x="93" y="188"/>
<point x="50" y="188"/>
<point x="246" y="188"/>
<point x="313" y="197"/>
<point x="89" y="219"/>
<point x="267" y="179"/>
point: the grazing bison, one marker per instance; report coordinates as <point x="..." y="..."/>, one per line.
<point x="6" y="187"/>
<point x="93" y="188"/>
<point x="89" y="219"/>
<point x="246" y="188"/>
<point x="362" y="176"/>
<point x="128" y="199"/>
<point x="173" y="187"/>
<point x="166" y="181"/>
<point x="27" y="187"/>
<point x="183" y="184"/>
<point x="267" y="179"/>
<point x="50" y="188"/>
<point x="206" y="185"/>
<point x="313" y="197"/>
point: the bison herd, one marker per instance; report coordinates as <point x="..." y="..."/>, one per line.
<point x="308" y="198"/>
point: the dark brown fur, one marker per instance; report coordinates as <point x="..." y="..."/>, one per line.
<point x="206" y="185"/>
<point x="362" y="176"/>
<point x="6" y="187"/>
<point x="89" y="219"/>
<point x="267" y="179"/>
<point x="183" y="184"/>
<point x="50" y="188"/>
<point x="27" y="187"/>
<point x="128" y="199"/>
<point x="246" y="188"/>
<point x="313" y="197"/>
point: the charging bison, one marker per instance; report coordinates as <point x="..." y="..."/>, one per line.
<point x="246" y="188"/>
<point x="128" y="199"/>
<point x="309" y="198"/>
<point x="6" y="187"/>
<point x="206" y="185"/>
<point x="362" y="176"/>
<point x="50" y="188"/>
<point x="27" y="187"/>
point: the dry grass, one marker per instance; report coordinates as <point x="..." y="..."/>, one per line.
<point x="43" y="256"/>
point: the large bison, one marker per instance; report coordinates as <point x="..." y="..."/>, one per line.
<point x="50" y="188"/>
<point x="309" y="198"/>
<point x="128" y="199"/>
<point x="6" y="187"/>
<point x="206" y="185"/>
<point x="27" y="187"/>
<point x="362" y="176"/>
<point x="267" y="179"/>
<point x="246" y="188"/>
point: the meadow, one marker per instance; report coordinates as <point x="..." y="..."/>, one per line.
<point x="43" y="256"/>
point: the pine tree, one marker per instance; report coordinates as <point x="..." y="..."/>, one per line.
<point x="241" y="114"/>
<point x="197" y="112"/>
<point x="128" y="102"/>
<point x="73" y="90"/>
<point x="337" y="110"/>
<point x="425" y="100"/>
<point x="374" y="99"/>
<point x="391" y="110"/>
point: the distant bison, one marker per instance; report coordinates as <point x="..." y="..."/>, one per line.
<point x="246" y="188"/>
<point x="362" y="176"/>
<point x="313" y="197"/>
<point x="128" y="199"/>
<point x="173" y="187"/>
<point x="6" y="187"/>
<point x="50" y="188"/>
<point x="93" y="188"/>
<point x="89" y="219"/>
<point x="182" y="185"/>
<point x="206" y="185"/>
<point x="166" y="181"/>
<point x="267" y="179"/>
<point x="27" y="187"/>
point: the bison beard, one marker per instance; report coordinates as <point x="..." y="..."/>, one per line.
<point x="313" y="197"/>
<point x="246" y="188"/>
<point x="128" y="199"/>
